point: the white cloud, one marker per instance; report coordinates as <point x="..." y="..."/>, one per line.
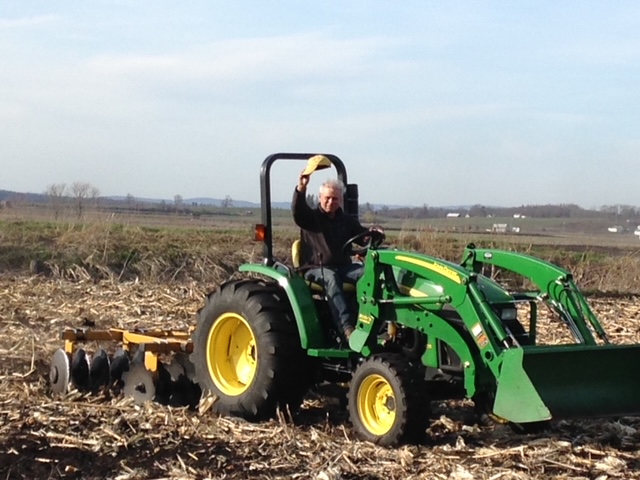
<point x="256" y="59"/>
<point x="118" y="95"/>
<point x="27" y="22"/>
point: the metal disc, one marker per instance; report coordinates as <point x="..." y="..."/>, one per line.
<point x="138" y="383"/>
<point x="119" y="365"/>
<point x="99" y="369"/>
<point x="175" y="369"/>
<point x="164" y="384"/>
<point x="185" y="393"/>
<point x="189" y="368"/>
<point x="60" y="372"/>
<point x="186" y="390"/>
<point x="80" y="369"/>
<point x="138" y="356"/>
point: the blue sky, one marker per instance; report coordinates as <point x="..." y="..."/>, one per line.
<point x="437" y="103"/>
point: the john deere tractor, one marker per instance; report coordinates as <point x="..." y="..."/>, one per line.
<point x="427" y="329"/>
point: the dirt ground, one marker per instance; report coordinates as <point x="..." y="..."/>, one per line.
<point x="105" y="436"/>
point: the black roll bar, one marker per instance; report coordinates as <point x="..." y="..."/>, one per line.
<point x="350" y="195"/>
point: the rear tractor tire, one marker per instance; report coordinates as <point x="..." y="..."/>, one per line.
<point x="387" y="400"/>
<point x="247" y="351"/>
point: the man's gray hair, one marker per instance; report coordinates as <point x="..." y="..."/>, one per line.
<point x="332" y="183"/>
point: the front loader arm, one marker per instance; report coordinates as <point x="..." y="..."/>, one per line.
<point x="540" y="272"/>
<point x="381" y="300"/>
<point x="553" y="282"/>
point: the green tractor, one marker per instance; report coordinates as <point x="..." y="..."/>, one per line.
<point x="427" y="329"/>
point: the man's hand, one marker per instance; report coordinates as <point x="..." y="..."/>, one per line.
<point x="377" y="236"/>
<point x="303" y="181"/>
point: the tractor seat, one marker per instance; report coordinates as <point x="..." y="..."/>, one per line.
<point x="296" y="251"/>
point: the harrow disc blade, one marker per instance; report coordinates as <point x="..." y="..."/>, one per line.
<point x="138" y="383"/>
<point x="175" y="369"/>
<point x="99" y="373"/>
<point x="60" y="372"/>
<point x="80" y="369"/>
<point x="119" y="365"/>
<point x="164" y="384"/>
<point x="186" y="391"/>
<point x="187" y="365"/>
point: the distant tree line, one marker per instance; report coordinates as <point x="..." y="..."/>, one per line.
<point x="533" y="211"/>
<point x="80" y="196"/>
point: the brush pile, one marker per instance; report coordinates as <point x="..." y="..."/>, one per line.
<point x="105" y="435"/>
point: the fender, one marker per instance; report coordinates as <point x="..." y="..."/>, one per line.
<point x="300" y="299"/>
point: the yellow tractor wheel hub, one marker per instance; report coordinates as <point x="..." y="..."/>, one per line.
<point x="377" y="405"/>
<point x="232" y="355"/>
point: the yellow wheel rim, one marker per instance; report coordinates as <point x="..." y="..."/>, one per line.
<point x="231" y="354"/>
<point x="376" y="405"/>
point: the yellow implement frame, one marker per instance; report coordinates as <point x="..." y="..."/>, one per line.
<point x="151" y="342"/>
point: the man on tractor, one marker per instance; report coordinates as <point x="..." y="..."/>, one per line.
<point x="325" y="234"/>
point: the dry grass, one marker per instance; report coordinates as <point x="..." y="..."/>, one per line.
<point x="188" y="249"/>
<point x="104" y="274"/>
<point x="101" y="436"/>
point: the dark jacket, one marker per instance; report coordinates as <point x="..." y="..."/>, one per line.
<point x="323" y="237"/>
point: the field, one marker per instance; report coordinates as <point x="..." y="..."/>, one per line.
<point x="105" y="274"/>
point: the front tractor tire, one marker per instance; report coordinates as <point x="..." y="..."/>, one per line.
<point x="247" y="351"/>
<point x="387" y="400"/>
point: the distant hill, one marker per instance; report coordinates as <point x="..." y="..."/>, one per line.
<point x="207" y="201"/>
<point x="619" y="213"/>
<point x="215" y="202"/>
<point x="40" y="197"/>
<point x="27" y="197"/>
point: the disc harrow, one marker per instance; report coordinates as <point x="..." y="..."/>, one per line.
<point x="147" y="365"/>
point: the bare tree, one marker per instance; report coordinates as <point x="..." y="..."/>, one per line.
<point x="178" y="202"/>
<point x="94" y="194"/>
<point x="130" y="199"/>
<point x="56" y="192"/>
<point x="227" y="202"/>
<point x="81" y="191"/>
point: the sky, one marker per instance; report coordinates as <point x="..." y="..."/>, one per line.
<point x="426" y="102"/>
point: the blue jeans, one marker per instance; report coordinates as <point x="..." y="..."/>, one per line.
<point x="332" y="279"/>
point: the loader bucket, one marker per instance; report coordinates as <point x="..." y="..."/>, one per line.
<point x="568" y="381"/>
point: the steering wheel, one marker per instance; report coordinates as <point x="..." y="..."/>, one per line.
<point x="374" y="239"/>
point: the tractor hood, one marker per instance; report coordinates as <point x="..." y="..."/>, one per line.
<point x="413" y="284"/>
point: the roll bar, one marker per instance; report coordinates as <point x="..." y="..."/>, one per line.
<point x="350" y="195"/>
